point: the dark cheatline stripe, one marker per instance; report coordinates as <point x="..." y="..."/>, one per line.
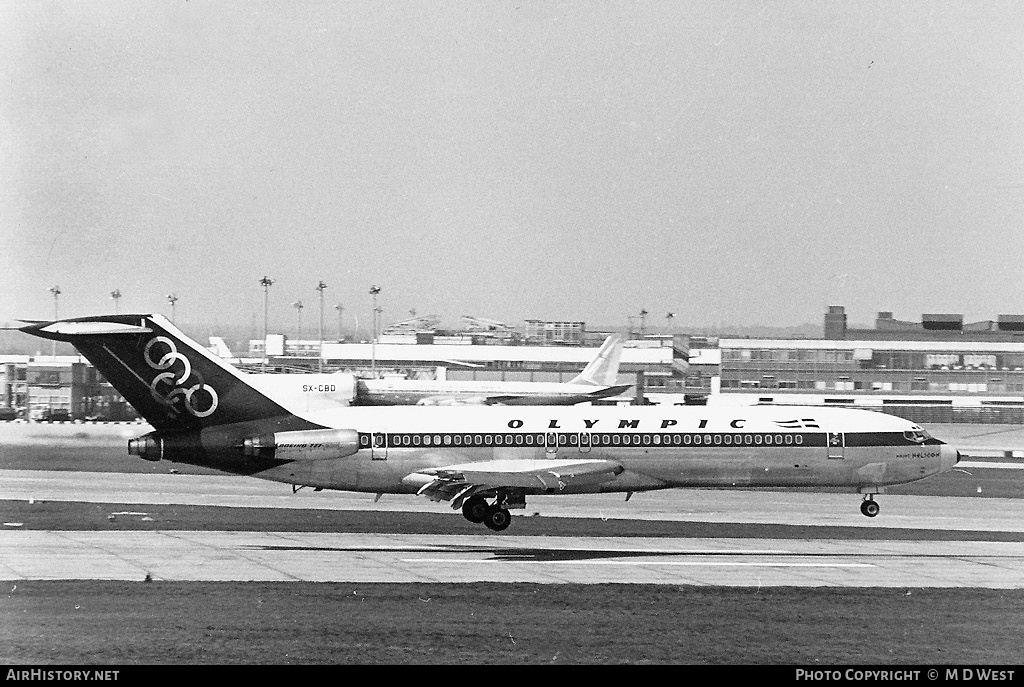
<point x="648" y="440"/>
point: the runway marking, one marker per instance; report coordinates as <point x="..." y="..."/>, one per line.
<point x="677" y="563"/>
<point x="990" y="464"/>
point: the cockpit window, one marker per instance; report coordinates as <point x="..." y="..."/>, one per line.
<point x="918" y="436"/>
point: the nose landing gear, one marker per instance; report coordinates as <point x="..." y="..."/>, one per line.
<point x="868" y="506"/>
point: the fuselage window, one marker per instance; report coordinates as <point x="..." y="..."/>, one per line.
<point x="696" y="439"/>
<point x="615" y="439"/>
<point x="707" y="439"/>
<point x="737" y="439"/>
<point x="519" y="440"/>
<point x="677" y="439"/>
<point x="757" y="439"/>
<point x="657" y="440"/>
<point x="458" y="439"/>
<point x="488" y="439"/>
<point x="478" y="440"/>
<point x="798" y="439"/>
<point x="497" y="440"/>
<point x="718" y="439"/>
<point x="364" y="440"/>
<point x="778" y="440"/>
<point x="789" y="439"/>
<point x="646" y="439"/>
<point x="426" y="440"/>
<point x="508" y="439"/>
<point x="687" y="439"/>
<point x="416" y="440"/>
<point x="728" y="439"/>
<point x="561" y="440"/>
<point x="529" y="440"/>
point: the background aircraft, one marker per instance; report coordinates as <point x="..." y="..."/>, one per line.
<point x="596" y="381"/>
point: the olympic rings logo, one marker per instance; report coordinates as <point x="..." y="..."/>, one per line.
<point x="175" y="382"/>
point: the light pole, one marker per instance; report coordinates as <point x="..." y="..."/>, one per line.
<point x="266" y="282"/>
<point x="298" y="308"/>
<point x="116" y="295"/>
<point x="643" y="322"/>
<point x="320" y="345"/>
<point x="55" y="290"/>
<point x="172" y="299"/>
<point x="374" y="290"/>
<point x="340" y="310"/>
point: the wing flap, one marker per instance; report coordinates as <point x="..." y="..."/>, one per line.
<point x="531" y="474"/>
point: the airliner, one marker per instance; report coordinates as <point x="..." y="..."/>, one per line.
<point x="596" y="381"/>
<point x="483" y="460"/>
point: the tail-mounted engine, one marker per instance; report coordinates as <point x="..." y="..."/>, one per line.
<point x="311" y="444"/>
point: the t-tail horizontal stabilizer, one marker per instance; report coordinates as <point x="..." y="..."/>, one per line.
<point x="174" y="383"/>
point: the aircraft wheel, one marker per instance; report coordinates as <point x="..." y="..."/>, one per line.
<point x="869" y="508"/>
<point x="475" y="509"/>
<point x="497" y="518"/>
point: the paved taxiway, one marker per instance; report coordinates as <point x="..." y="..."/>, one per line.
<point x="290" y="556"/>
<point x="920" y="560"/>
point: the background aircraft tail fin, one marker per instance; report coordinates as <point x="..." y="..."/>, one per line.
<point x="603" y="370"/>
<point x="219" y="348"/>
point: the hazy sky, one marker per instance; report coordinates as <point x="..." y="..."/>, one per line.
<point x="732" y="162"/>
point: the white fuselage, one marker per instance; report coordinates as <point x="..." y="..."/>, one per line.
<point x="657" y="447"/>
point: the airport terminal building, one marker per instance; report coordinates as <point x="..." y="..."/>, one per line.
<point x="936" y="370"/>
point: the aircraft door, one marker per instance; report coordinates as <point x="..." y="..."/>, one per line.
<point x="551" y="442"/>
<point x="585" y="442"/>
<point x="836" y="444"/>
<point x="379" y="447"/>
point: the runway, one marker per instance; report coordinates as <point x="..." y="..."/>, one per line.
<point x="812" y="539"/>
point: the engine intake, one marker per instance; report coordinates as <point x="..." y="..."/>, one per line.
<point x="311" y="444"/>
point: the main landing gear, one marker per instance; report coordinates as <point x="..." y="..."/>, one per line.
<point x="868" y="506"/>
<point x="495" y="516"/>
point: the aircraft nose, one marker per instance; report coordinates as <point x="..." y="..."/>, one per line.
<point x="948" y="457"/>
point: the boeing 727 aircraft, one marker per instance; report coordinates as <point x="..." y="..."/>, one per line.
<point x="484" y="460"/>
<point x="596" y="381"/>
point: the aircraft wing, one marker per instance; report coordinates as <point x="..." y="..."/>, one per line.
<point x="453" y="481"/>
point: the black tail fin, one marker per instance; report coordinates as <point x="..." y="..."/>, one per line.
<point x="173" y="382"/>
